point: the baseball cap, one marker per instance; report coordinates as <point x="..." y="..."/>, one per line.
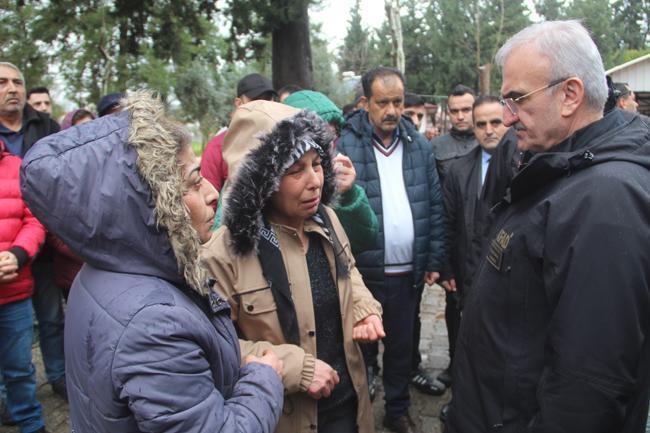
<point x="107" y="102"/>
<point x="253" y="85"/>
<point x="621" y="90"/>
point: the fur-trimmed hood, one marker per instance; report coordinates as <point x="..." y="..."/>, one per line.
<point x="111" y="189"/>
<point x="259" y="173"/>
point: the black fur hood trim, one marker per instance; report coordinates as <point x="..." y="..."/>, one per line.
<point x="260" y="173"/>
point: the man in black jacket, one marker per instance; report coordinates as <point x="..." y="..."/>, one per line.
<point x="555" y="331"/>
<point x="460" y="140"/>
<point x="462" y="191"/>
<point x="20" y="127"/>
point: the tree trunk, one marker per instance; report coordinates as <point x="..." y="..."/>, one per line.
<point x="484" y="79"/>
<point x="395" y="24"/>
<point x="292" y="50"/>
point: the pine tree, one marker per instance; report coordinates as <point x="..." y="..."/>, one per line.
<point x="354" y="52"/>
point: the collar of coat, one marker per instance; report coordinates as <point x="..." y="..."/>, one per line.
<point x="618" y="136"/>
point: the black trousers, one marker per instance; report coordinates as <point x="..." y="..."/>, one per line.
<point x="417" y="325"/>
<point x="341" y="420"/>
<point x="452" y="319"/>
<point x="399" y="299"/>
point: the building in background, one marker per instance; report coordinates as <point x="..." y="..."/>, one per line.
<point x="637" y="74"/>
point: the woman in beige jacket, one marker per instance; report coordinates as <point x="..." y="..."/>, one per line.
<point x="284" y="263"/>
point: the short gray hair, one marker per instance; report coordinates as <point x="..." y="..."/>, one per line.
<point x="15" y="68"/>
<point x="571" y="51"/>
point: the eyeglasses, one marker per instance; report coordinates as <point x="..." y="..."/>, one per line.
<point x="511" y="103"/>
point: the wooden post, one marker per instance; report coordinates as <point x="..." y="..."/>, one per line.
<point x="484" y="79"/>
<point x="395" y="24"/>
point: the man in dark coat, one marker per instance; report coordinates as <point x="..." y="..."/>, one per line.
<point x="396" y="167"/>
<point x="447" y="148"/>
<point x="462" y="191"/>
<point x="460" y="140"/>
<point x="20" y="127"/>
<point x="555" y="330"/>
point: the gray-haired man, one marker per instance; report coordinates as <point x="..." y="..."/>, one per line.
<point x="555" y="331"/>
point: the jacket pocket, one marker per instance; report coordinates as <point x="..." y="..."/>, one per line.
<point x="256" y="300"/>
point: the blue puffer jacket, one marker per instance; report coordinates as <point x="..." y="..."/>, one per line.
<point x="422" y="188"/>
<point x="144" y="352"/>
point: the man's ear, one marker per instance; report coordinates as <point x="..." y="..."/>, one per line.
<point x="363" y="103"/>
<point x="574" y="96"/>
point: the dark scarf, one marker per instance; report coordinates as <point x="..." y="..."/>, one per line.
<point x="270" y="258"/>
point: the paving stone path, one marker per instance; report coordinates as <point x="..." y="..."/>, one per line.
<point x="424" y="410"/>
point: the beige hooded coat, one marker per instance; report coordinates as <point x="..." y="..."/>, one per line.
<point x="241" y="281"/>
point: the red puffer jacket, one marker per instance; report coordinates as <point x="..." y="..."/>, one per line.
<point x="66" y="263"/>
<point x="20" y="232"/>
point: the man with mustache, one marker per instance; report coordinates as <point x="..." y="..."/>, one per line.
<point x="20" y="124"/>
<point x="20" y="127"/>
<point x="555" y="335"/>
<point x="396" y="167"/>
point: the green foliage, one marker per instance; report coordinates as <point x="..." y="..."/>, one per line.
<point x="16" y="29"/>
<point x="600" y="22"/>
<point x="206" y="94"/>
<point x="616" y="26"/>
<point x="631" y="21"/>
<point x="550" y="10"/>
<point x="629" y="55"/>
<point x="354" y="52"/>
<point x="251" y="22"/>
<point x="103" y="46"/>
<point x="445" y="41"/>
<point x="325" y="79"/>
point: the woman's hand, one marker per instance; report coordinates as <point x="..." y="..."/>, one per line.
<point x="269" y="358"/>
<point x="325" y="378"/>
<point x="345" y="173"/>
<point x="368" y="329"/>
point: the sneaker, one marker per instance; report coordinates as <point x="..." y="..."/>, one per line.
<point x="5" y="416"/>
<point x="444" y="413"/>
<point x="60" y="389"/>
<point x="427" y="384"/>
<point x="445" y="377"/>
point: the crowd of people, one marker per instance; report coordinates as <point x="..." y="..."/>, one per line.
<point x="248" y="290"/>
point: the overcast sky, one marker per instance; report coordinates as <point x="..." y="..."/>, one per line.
<point x="333" y="15"/>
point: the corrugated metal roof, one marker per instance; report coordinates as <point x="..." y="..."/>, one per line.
<point x="628" y="64"/>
